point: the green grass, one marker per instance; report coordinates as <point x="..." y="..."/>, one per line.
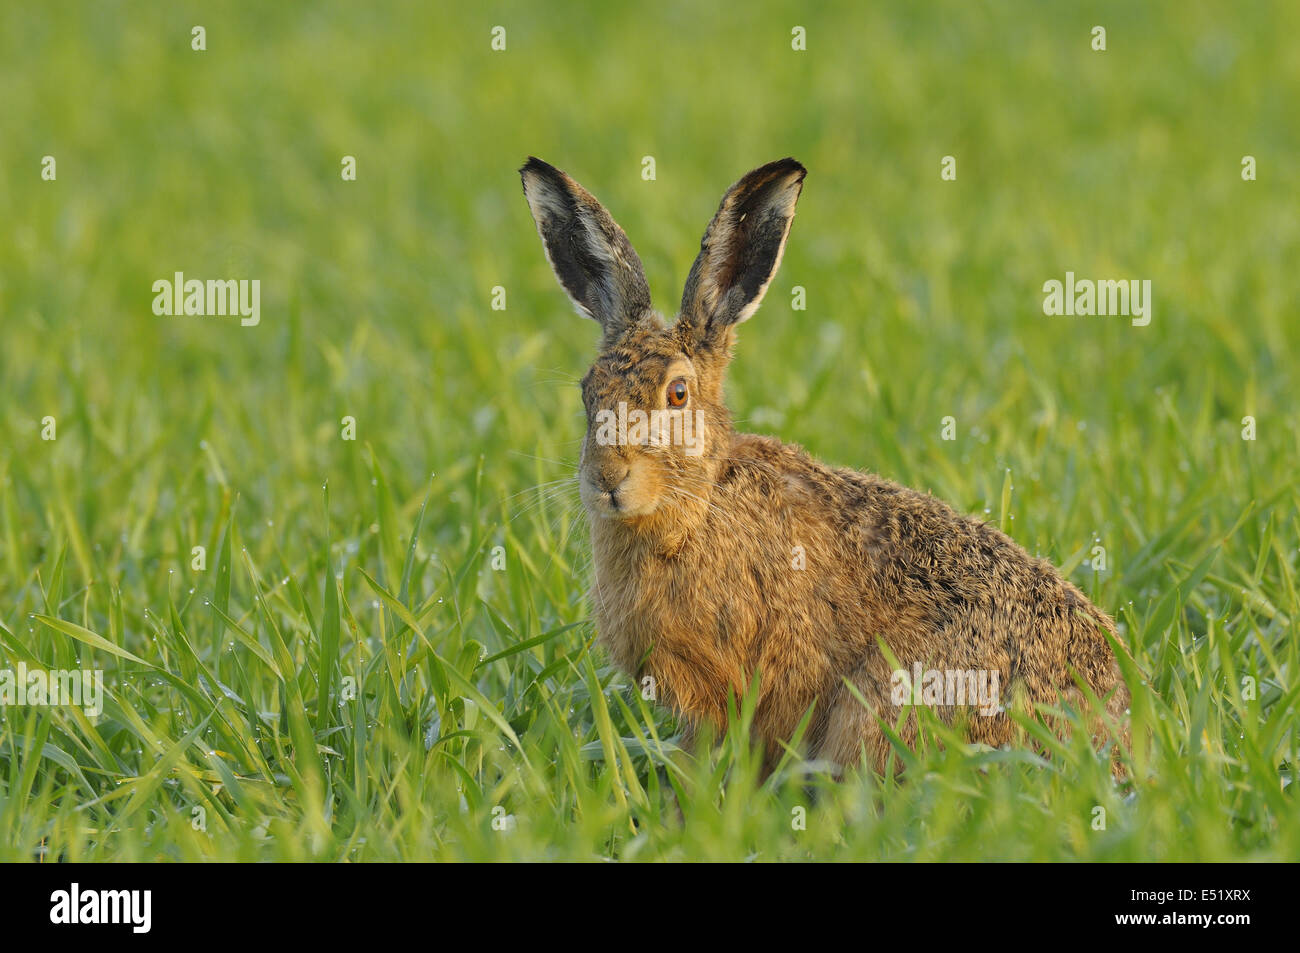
<point x="480" y="693"/>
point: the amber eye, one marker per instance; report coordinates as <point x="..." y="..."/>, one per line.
<point x="677" y="392"/>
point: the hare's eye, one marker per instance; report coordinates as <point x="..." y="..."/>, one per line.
<point x="677" y="392"/>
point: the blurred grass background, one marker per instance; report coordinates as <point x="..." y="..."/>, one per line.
<point x="924" y="300"/>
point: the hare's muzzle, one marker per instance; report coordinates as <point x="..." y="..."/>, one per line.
<point x="616" y="487"/>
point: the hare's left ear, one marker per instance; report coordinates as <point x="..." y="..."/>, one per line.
<point x="741" y="250"/>
<point x="589" y="253"/>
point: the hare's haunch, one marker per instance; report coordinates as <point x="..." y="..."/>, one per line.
<point x="719" y="555"/>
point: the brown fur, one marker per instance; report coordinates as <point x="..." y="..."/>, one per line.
<point x="694" y="556"/>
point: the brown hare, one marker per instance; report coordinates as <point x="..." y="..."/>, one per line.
<point x="719" y="555"/>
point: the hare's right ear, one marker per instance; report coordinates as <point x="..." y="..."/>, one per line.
<point x="587" y="250"/>
<point x="740" y="251"/>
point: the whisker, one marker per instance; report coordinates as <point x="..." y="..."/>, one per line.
<point x="567" y="464"/>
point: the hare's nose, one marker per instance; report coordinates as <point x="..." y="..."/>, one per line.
<point x="610" y="476"/>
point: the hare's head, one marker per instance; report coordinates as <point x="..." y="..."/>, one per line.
<point x="657" y="427"/>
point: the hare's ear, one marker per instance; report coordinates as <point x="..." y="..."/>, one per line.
<point x="741" y="249"/>
<point x="587" y="250"/>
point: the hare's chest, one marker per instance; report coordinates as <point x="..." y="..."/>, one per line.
<point x="643" y="600"/>
<point x="644" y="610"/>
<point x="665" y="625"/>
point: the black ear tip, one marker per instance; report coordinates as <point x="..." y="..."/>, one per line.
<point x="791" y="165"/>
<point x="779" y="174"/>
<point x="535" y="166"/>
